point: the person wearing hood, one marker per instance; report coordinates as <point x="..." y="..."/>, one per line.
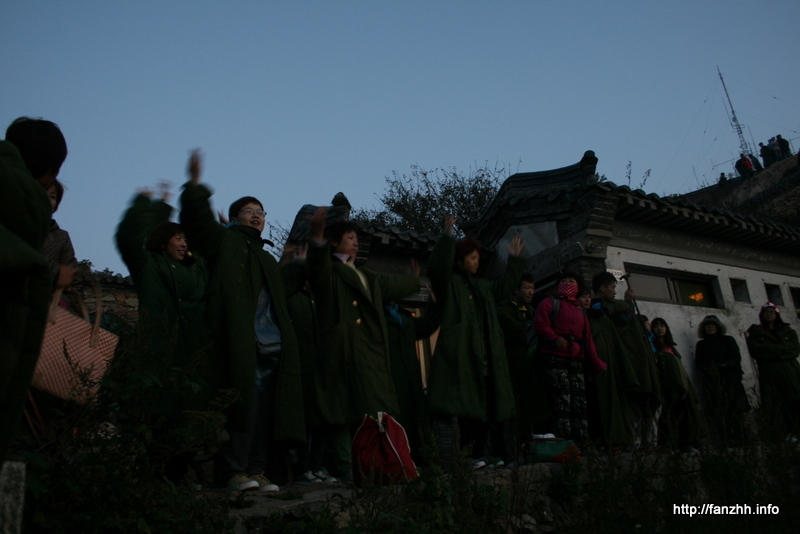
<point x="775" y="347"/>
<point x="565" y="341"/>
<point x="719" y="363"/>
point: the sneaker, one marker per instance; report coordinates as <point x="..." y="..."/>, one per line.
<point x="264" y="484"/>
<point x="242" y="483"/>
<point x="479" y="464"/>
<point x="309" y="478"/>
<point x="324" y="476"/>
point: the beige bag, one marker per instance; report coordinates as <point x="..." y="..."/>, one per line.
<point x="72" y="346"/>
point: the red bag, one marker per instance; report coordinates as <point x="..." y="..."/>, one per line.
<point x="381" y="453"/>
<point x="88" y="349"/>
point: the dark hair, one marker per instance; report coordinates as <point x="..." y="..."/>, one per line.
<point x="336" y="231"/>
<point x="465" y="247"/>
<point x="40" y="143"/>
<point x="526" y="277"/>
<point x="583" y="289"/>
<point x="237" y="206"/>
<point x="667" y="342"/>
<point x="569" y="274"/>
<point x="160" y="235"/>
<point x="602" y="279"/>
<point x="59" y="192"/>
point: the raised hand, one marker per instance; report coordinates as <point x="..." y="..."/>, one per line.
<point x="195" y="166"/>
<point x="163" y="190"/>
<point x="516" y="246"/>
<point x="449" y="222"/>
<point x="317" y="222"/>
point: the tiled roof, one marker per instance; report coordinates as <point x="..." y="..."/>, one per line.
<point x="639" y="206"/>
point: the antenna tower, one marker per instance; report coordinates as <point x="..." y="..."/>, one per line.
<point x="743" y="146"/>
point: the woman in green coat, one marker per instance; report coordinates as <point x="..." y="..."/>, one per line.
<point x="170" y="281"/>
<point x="681" y="424"/>
<point x="775" y="347"/>
<point x="469" y="376"/>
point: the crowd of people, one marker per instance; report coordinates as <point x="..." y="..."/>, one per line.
<point x="776" y="149"/>
<point x="313" y="342"/>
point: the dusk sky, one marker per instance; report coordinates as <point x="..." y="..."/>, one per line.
<point x="293" y="101"/>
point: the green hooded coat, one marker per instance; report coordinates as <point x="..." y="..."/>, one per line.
<point x="353" y="376"/>
<point x="238" y="268"/>
<point x="456" y="385"/>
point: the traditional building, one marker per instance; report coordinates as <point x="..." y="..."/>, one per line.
<point x="687" y="261"/>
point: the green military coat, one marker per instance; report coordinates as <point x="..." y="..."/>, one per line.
<point x="353" y="375"/>
<point x="24" y="284"/>
<point x="640" y="354"/>
<point x="456" y="385"/>
<point x="614" y="382"/>
<point x="304" y="319"/>
<point x="776" y="354"/>
<point x="527" y="380"/>
<point x="681" y="422"/>
<point x="171" y="293"/>
<point x="238" y="268"/>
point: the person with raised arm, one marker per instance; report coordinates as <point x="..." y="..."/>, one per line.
<point x="255" y="348"/>
<point x="469" y="379"/>
<point x="354" y="373"/>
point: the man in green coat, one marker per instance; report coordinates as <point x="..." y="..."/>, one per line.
<point x="469" y="376"/>
<point x="255" y="346"/>
<point x="30" y="159"/>
<point x="611" y="386"/>
<point x="645" y="399"/>
<point x="354" y="373"/>
<point x="515" y="315"/>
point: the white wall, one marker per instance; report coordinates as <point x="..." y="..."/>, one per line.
<point x="736" y="316"/>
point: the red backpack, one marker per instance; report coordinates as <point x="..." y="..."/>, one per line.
<point x="381" y="453"/>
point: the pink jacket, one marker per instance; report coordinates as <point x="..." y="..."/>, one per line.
<point x="569" y="322"/>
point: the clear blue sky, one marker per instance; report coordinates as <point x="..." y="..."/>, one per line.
<point x="293" y="101"/>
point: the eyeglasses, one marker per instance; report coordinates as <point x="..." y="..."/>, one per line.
<point x="251" y="211"/>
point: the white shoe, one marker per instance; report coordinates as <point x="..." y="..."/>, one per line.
<point x="264" y="484"/>
<point x="479" y="464"/>
<point x="310" y="478"/>
<point x="324" y="476"/>
<point x="242" y="483"/>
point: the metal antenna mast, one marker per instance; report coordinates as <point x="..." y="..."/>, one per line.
<point x="745" y="148"/>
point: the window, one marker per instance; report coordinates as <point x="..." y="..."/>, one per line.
<point x="795" y="291"/>
<point x="661" y="285"/>
<point x="740" y="292"/>
<point x="774" y="294"/>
